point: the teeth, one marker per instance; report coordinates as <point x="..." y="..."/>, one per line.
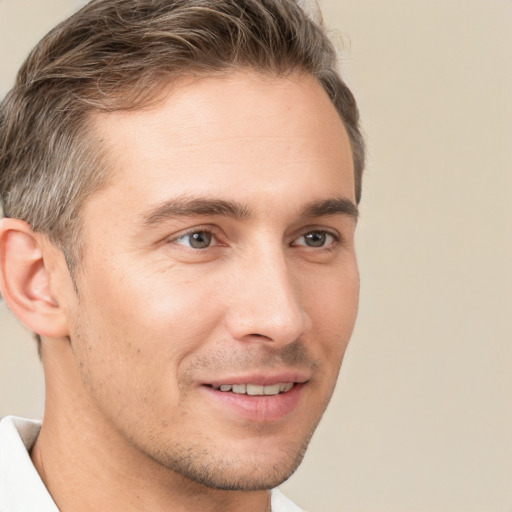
<point x="240" y="389"/>
<point x="256" y="390"/>
<point x="252" y="389"/>
<point x="272" y="390"/>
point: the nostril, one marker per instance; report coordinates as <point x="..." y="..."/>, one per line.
<point x="257" y="335"/>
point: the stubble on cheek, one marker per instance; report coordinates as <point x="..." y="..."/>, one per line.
<point x="191" y="449"/>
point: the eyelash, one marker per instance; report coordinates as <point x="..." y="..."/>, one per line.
<point x="209" y="230"/>
<point x="335" y="238"/>
<point x="200" y="229"/>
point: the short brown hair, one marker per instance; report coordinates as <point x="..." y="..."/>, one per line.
<point x="117" y="54"/>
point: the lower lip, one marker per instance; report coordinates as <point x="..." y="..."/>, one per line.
<point x="258" y="408"/>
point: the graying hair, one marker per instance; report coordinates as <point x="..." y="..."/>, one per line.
<point x="118" y="54"/>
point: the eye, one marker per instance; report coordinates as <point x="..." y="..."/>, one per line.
<point x="316" y="239"/>
<point x="201" y="239"/>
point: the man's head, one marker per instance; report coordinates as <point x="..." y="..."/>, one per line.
<point x="118" y="55"/>
<point x="196" y="165"/>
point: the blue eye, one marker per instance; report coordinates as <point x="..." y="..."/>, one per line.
<point x="196" y="239"/>
<point x="315" y="239"/>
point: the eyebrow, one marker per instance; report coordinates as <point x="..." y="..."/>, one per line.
<point x="334" y="206"/>
<point x="185" y="206"/>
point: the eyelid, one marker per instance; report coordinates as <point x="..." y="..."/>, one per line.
<point x="206" y="228"/>
<point x="337" y="237"/>
<point x="214" y="231"/>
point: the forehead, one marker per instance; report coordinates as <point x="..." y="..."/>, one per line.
<point x="223" y="135"/>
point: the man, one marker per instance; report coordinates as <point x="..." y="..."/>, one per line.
<point x="180" y="181"/>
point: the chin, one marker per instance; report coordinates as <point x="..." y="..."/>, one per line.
<point x="248" y="477"/>
<point x="229" y="472"/>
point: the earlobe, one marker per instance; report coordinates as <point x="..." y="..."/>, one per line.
<point x="25" y="279"/>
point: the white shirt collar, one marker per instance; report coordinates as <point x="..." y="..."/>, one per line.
<point x="21" y="487"/>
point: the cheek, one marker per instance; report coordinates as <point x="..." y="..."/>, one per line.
<point x="130" y="300"/>
<point x="333" y="296"/>
<point x="332" y="306"/>
<point x="141" y="329"/>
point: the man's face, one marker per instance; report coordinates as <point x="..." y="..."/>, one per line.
<point x="219" y="284"/>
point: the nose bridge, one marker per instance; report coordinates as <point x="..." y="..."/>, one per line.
<point x="267" y="303"/>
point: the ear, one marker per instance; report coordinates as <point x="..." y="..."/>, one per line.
<point x="26" y="262"/>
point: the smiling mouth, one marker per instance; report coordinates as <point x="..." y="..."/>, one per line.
<point x="255" y="389"/>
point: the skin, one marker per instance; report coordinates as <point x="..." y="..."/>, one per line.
<point x="156" y="321"/>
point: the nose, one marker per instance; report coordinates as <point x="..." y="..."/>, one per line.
<point x="266" y="302"/>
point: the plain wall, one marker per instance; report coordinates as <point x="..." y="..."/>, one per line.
<point x="422" y="417"/>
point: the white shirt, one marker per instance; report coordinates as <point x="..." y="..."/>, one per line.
<point x="21" y="487"/>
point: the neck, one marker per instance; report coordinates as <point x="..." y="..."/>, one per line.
<point x="86" y="464"/>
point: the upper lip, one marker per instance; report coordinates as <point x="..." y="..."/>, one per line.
<point x="260" y="379"/>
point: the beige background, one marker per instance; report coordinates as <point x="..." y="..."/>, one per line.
<point x="422" y="418"/>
